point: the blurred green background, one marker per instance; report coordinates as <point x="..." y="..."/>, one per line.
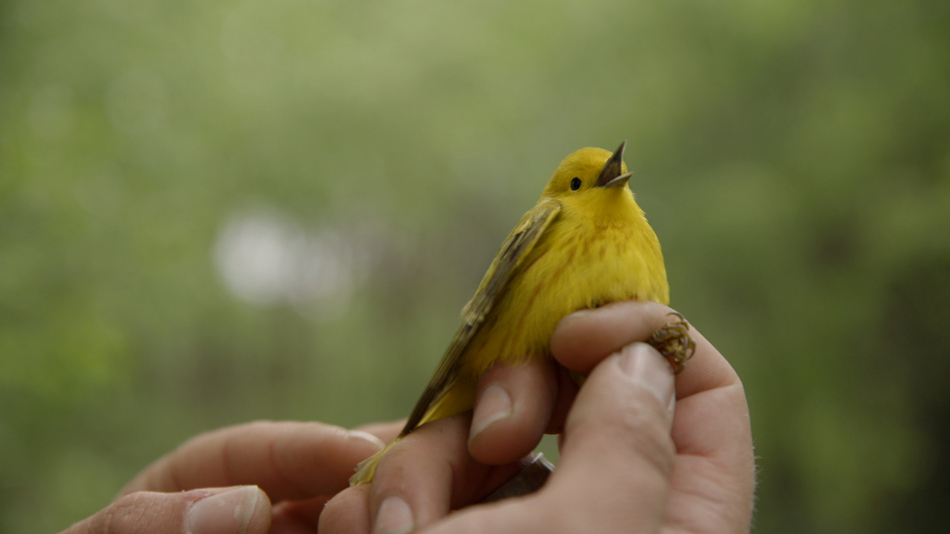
<point x="213" y="212"/>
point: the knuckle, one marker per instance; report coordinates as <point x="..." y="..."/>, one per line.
<point x="646" y="431"/>
<point x="124" y="515"/>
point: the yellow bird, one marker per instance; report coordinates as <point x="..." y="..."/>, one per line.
<point x="585" y="244"/>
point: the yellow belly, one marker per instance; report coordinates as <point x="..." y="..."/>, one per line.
<point x="564" y="274"/>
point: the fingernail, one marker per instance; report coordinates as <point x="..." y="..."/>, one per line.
<point x="224" y="513"/>
<point x="493" y="405"/>
<point x="359" y="434"/>
<point x="650" y="370"/>
<point x="581" y="313"/>
<point x="394" y="517"/>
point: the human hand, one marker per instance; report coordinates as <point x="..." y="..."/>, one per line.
<point x="627" y="464"/>
<point x="224" y="481"/>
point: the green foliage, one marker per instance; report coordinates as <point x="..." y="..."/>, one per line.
<point x="792" y="156"/>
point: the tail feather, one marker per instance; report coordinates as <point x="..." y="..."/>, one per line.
<point x="367" y="468"/>
<point x="457" y="399"/>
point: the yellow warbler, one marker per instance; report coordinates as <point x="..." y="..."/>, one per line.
<point x="586" y="243"/>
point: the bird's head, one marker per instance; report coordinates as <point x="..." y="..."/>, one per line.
<point x="592" y="178"/>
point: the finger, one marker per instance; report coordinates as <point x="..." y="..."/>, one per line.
<point x="616" y="461"/>
<point x="566" y="392"/>
<point x="243" y="509"/>
<point x="584" y="338"/>
<point x="512" y="408"/>
<point x="386" y="432"/>
<point x="428" y="473"/>
<point x="715" y="470"/>
<point x="298" y="517"/>
<point x="617" y="453"/>
<point x="287" y="460"/>
<point x="350" y="511"/>
<point x="347" y="512"/>
<point x="304" y="516"/>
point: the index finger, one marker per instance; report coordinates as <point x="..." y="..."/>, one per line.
<point x="288" y="460"/>
<point x="584" y="338"/>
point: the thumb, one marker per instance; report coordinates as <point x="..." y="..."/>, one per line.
<point x="616" y="458"/>
<point x="235" y="510"/>
<point x="617" y="441"/>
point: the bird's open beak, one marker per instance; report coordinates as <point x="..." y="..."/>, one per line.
<point x="610" y="176"/>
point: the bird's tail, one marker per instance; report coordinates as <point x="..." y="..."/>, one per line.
<point x="367" y="468"/>
<point x="455" y="400"/>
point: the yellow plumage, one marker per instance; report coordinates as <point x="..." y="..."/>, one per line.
<point x="586" y="243"/>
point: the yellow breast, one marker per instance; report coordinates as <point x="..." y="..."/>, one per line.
<point x="583" y="261"/>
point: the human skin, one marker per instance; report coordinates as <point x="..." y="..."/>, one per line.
<point x="628" y="464"/>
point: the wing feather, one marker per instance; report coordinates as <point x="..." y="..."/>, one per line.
<point x="516" y="247"/>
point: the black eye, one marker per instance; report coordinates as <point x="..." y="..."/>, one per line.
<point x="575" y="184"/>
